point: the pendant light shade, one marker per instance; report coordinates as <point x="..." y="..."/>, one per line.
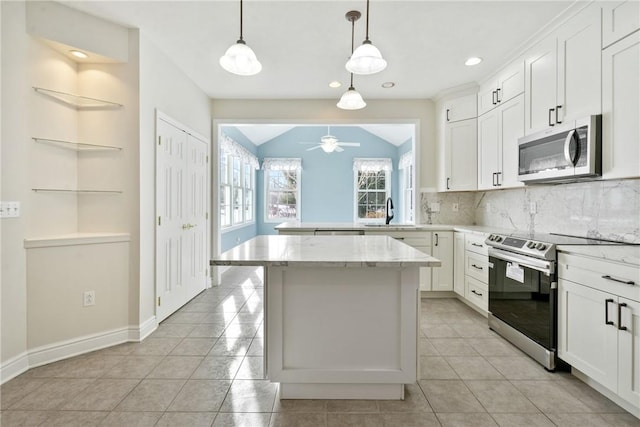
<point x="239" y="58"/>
<point x="351" y="100"/>
<point x="367" y="58"/>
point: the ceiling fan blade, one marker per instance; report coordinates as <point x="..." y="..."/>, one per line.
<point x="338" y="149"/>
<point x="307" y="143"/>
<point x="313" y="148"/>
<point x="349" y="144"/>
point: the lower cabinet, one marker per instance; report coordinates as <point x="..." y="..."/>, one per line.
<point x="458" y="263"/>
<point x="476" y="271"/>
<point x="599" y="323"/>
<point x="442" y="249"/>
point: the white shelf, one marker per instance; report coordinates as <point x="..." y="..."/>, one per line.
<point x="62" y="190"/>
<point x="77" y="146"/>
<point x="77" y="101"/>
<point x="73" y="239"/>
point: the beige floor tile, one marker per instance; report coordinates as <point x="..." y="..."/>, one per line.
<point x="436" y="368"/>
<point x="200" y="395"/>
<point x="248" y="317"/>
<point x="176" y="367"/>
<point x="175" y="330"/>
<point x="101" y="395"/>
<point x="252" y="368"/>
<point x="250" y="396"/>
<point x="349" y="405"/>
<point x="17" y="388"/>
<point x="439" y="331"/>
<point x="231" y="347"/>
<point x="123" y="349"/>
<point x="473" y="368"/>
<point x="298" y="419"/>
<point x="410" y="419"/>
<point x="500" y="396"/>
<point x="74" y="419"/>
<point x="450" y="396"/>
<point x="204" y="306"/>
<point x="156" y="346"/>
<point x="93" y="365"/>
<point x="577" y="420"/>
<point x="134" y="367"/>
<point x="22" y="418"/>
<point x="186" y="317"/>
<point x="240" y="419"/>
<point x="621" y="420"/>
<point x="474" y="330"/>
<point x="217" y="368"/>
<point x="131" y="419"/>
<point x="519" y="368"/>
<point x="453" y="347"/>
<point x="522" y="420"/>
<point x="354" y="420"/>
<point x="151" y="395"/>
<point x="414" y="401"/>
<point x="300" y="405"/>
<point x="190" y="419"/>
<point x="426" y="348"/>
<point x="466" y="420"/>
<point x="493" y="347"/>
<point x="240" y="330"/>
<point x="194" y="347"/>
<point x="53" y="394"/>
<point x="207" y="330"/>
<point x="595" y="401"/>
<point x="550" y="397"/>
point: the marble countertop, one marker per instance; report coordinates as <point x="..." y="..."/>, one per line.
<point x="325" y="251"/>
<point x="313" y="226"/>
<point x="625" y="254"/>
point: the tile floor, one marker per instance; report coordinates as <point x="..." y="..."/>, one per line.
<point x="203" y="367"/>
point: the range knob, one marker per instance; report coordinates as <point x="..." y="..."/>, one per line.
<point x="492" y="237"/>
<point x="541" y="246"/>
<point x="498" y="239"/>
<point x="531" y="245"/>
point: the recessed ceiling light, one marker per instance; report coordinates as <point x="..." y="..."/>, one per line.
<point x="388" y="85"/>
<point x="79" y="54"/>
<point x="335" y="84"/>
<point x="474" y="60"/>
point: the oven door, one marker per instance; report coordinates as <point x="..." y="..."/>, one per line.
<point x="522" y="294"/>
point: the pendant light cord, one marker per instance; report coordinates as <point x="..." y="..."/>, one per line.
<point x="366" y="38"/>
<point x="241" y="20"/>
<point x="353" y="26"/>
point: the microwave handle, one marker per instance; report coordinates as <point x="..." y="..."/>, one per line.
<point x="571" y="137"/>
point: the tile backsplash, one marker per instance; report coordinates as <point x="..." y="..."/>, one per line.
<point x="600" y="209"/>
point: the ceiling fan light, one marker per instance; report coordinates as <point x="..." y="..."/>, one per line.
<point x="241" y="60"/>
<point x="366" y="59"/>
<point x="328" y="148"/>
<point x="351" y="100"/>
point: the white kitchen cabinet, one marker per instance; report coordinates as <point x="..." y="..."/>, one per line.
<point x="621" y="109"/>
<point x="507" y="85"/>
<point x="458" y="263"/>
<point x="619" y="19"/>
<point x="460" y="108"/>
<point x="442" y="249"/>
<point x="498" y="133"/>
<point x="476" y="271"/>
<point x="599" y="322"/>
<point x="563" y="73"/>
<point x="460" y="156"/>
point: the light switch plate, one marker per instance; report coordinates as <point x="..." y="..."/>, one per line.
<point x="9" y="209"/>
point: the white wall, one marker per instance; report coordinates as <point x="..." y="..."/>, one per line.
<point x="165" y="87"/>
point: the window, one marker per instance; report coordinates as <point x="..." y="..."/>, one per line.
<point x="282" y="189"/>
<point x="237" y="183"/>
<point x="406" y="186"/>
<point x="372" y="188"/>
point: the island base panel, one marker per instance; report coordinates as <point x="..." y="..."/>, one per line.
<point x="342" y="391"/>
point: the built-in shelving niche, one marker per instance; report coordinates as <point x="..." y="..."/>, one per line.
<point x="68" y="191"/>
<point x="77" y="146"/>
<point x="77" y="101"/>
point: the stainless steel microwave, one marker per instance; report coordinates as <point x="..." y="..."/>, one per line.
<point x="569" y="152"/>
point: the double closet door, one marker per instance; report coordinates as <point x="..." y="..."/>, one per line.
<point x="182" y="190"/>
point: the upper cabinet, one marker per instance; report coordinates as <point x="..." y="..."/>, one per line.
<point x="461" y="108"/>
<point x="507" y="85"/>
<point x="619" y="19"/>
<point x="563" y="73"/>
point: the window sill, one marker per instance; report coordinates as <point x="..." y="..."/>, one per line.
<point x="236" y="227"/>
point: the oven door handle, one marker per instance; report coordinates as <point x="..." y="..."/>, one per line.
<point x="546" y="267"/>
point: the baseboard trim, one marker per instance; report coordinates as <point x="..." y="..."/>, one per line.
<point x="74" y="347"/>
<point x="633" y="410"/>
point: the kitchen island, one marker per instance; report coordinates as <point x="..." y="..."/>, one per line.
<point x="341" y="313"/>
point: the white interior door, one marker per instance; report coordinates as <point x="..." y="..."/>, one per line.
<point x="182" y="221"/>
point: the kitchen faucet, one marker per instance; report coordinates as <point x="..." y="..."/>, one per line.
<point x="389" y="208"/>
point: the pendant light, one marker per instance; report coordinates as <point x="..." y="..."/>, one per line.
<point x="351" y="99"/>
<point x="239" y="58"/>
<point x="366" y="59"/>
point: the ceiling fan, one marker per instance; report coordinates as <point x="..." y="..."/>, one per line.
<point x="330" y="143"/>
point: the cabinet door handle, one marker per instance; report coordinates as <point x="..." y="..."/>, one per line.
<point x="448" y="184"/>
<point x="473" y="291"/>
<point x="448" y="115"/>
<point x="437" y="240"/>
<point x="477" y="244"/>
<point x="493" y="181"/>
<point x="620" y="327"/>
<point x="498" y="179"/>
<point x="498" y="95"/>
<point x="613" y="279"/>
<point x="606" y="311"/>
<point x="558" y="107"/>
<point x="475" y="266"/>
<point x="551" y="110"/>
<point x="494" y="97"/>
<point x="399" y="238"/>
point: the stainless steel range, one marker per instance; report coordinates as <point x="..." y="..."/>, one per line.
<point x="523" y="305"/>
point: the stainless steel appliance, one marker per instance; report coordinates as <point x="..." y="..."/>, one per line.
<point x="523" y="305"/>
<point x="567" y="152"/>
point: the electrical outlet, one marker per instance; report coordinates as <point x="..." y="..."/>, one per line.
<point x="435" y="207"/>
<point x="532" y="208"/>
<point x="89" y="298"/>
<point x="454" y="207"/>
<point x="9" y="209"/>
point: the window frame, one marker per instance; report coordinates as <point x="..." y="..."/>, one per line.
<point x="232" y="187"/>
<point x="266" y="219"/>
<point x="356" y="191"/>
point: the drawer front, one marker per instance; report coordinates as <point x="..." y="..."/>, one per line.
<point x="411" y="238"/>
<point x="607" y="276"/>
<point x="476" y="293"/>
<point x="475" y="243"/>
<point x="477" y="266"/>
